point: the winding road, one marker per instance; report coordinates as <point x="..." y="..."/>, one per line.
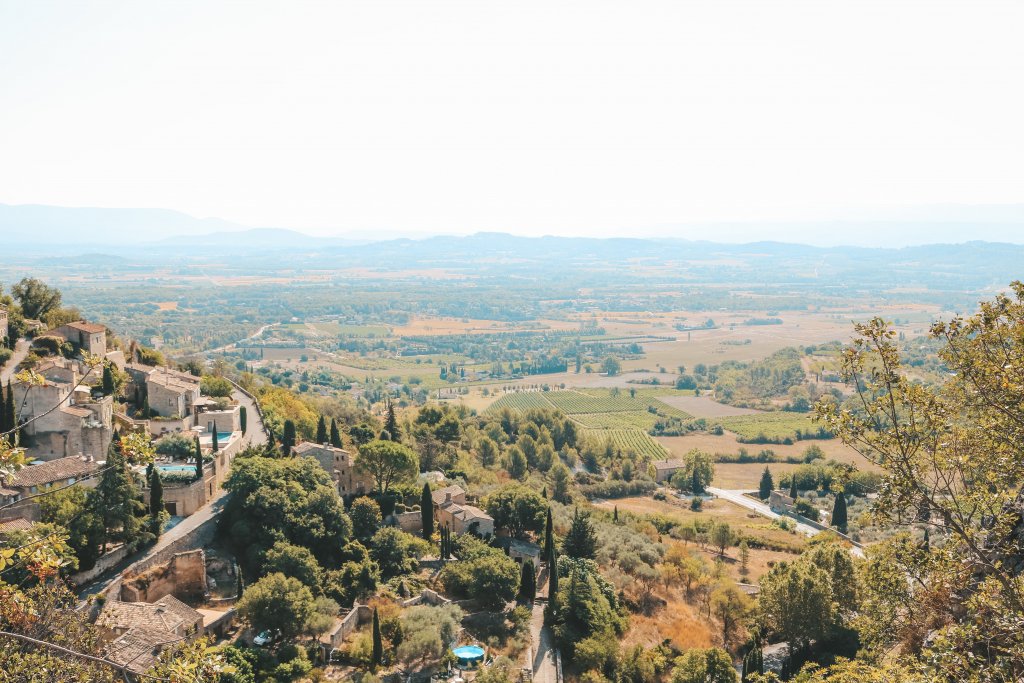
<point x="255" y="435"/>
<point x="739" y="498"/>
<point x="20" y="351"/>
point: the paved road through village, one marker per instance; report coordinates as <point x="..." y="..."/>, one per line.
<point x="254" y="436"/>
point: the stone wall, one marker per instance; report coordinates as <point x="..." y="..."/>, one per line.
<point x="410" y="522"/>
<point x="158" y="426"/>
<point x="199" y="537"/>
<point x="360" y="614"/>
<point x="427" y="597"/>
<point x="106" y="562"/>
<point x="183" y="576"/>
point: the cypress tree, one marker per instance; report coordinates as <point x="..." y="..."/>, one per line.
<point x="4" y="426"/>
<point x="615" y="514"/>
<point x="156" y="502"/>
<point x="108" y="380"/>
<point x="927" y="540"/>
<point x="243" y="418"/>
<point x="288" y="438"/>
<point x="335" y="435"/>
<point x="391" y="424"/>
<point x="839" y="512"/>
<point x="378" y="642"/>
<point x="695" y="484"/>
<point x="427" y="512"/>
<point x="321" y="431"/>
<point x="10" y="414"/>
<point x="793" y="493"/>
<point x="216" y="445"/>
<point x="552" y="575"/>
<point x="528" y="583"/>
<point x="199" y="459"/>
<point x="767" y="484"/>
<point x="549" y="536"/>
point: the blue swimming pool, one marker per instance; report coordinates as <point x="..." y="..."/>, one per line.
<point x="222" y="437"/>
<point x="469" y="655"/>
<point x="177" y="468"/>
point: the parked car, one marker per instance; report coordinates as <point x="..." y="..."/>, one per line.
<point x="266" y="638"/>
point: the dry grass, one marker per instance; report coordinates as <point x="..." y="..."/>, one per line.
<point x="678" y="621"/>
<point x="747" y="476"/>
<point x="739" y="519"/>
<point x="726" y="443"/>
<point x="702" y="406"/>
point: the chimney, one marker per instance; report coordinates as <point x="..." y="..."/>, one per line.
<point x="448" y="497"/>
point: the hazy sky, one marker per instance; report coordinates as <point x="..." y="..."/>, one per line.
<point x="530" y="117"/>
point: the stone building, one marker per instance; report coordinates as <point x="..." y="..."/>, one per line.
<point x="82" y="424"/>
<point x="452" y="510"/>
<point x="4" y="324"/>
<point x="337" y="462"/>
<point x="84" y="336"/>
<point x="665" y="469"/>
<point x="31" y="480"/>
<point x="169" y="393"/>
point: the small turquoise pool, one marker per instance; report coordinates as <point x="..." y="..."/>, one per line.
<point x="469" y="655"/>
<point x="222" y="437"/>
<point x="177" y="468"/>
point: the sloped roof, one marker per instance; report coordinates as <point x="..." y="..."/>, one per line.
<point x="91" y="328"/>
<point x="167" y="614"/>
<point x="139" y="647"/>
<point x="440" y="495"/>
<point x="77" y="412"/>
<point x="53" y="471"/>
<point x="668" y="464"/>
<point x="17" y="524"/>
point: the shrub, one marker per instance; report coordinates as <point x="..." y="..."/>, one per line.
<point x="617" y="488"/>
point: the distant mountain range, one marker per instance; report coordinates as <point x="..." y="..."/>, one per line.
<point x="51" y="229"/>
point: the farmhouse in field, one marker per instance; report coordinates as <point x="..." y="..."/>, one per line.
<point x="665" y="469"/>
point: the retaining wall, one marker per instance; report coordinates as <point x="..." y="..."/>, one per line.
<point x="103" y="564"/>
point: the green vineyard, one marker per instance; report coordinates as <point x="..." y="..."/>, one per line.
<point x="627" y="440"/>
<point x="621" y="420"/>
<point x="572" y="402"/>
<point x="520" y="402"/>
<point x="772" y="426"/>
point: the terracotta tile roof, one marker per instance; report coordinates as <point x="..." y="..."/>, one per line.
<point x="77" y="412"/>
<point x="91" y="328"/>
<point x="168" y="614"/>
<point x="53" y="471"/>
<point x="17" y="524"/>
<point x="668" y="464"/>
<point x="139" y="647"/>
<point x="469" y="512"/>
<point x="440" y="495"/>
